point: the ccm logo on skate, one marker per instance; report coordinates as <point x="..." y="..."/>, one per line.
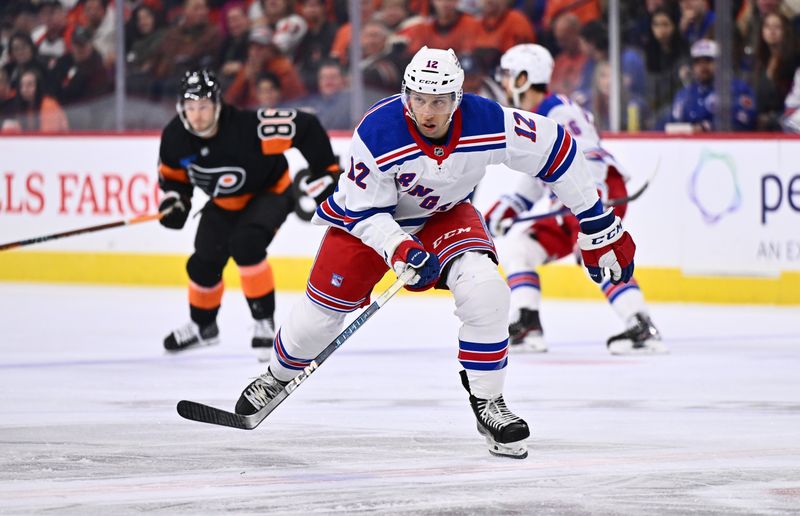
<point x="450" y="234"/>
<point x="300" y="378"/>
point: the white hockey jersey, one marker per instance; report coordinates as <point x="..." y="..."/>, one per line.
<point x="396" y="179"/>
<point x="580" y="124"/>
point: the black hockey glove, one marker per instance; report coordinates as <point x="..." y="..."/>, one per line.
<point x="310" y="189"/>
<point x="178" y="206"/>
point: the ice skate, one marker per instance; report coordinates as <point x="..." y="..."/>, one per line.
<point x="505" y="432"/>
<point x="259" y="393"/>
<point x="191" y="335"/>
<point x="263" y="335"/>
<point x="641" y="338"/>
<point x="525" y="334"/>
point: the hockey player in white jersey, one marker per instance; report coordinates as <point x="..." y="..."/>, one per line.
<point x="403" y="202"/>
<point x="525" y="72"/>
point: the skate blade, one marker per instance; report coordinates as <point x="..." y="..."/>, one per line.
<point x="530" y="345"/>
<point x="649" y="347"/>
<point x="263" y="354"/>
<point x="197" y="345"/>
<point x="517" y="450"/>
<point x="263" y="350"/>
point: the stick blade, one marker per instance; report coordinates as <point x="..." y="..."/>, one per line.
<point x="205" y="414"/>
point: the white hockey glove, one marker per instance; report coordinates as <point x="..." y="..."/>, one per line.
<point x="605" y="245"/>
<point x="501" y="215"/>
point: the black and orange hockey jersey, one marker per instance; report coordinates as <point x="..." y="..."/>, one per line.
<point x="245" y="157"/>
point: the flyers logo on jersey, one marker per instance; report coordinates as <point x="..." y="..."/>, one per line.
<point x="217" y="181"/>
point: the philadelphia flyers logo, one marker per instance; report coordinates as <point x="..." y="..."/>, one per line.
<point x="217" y="181"/>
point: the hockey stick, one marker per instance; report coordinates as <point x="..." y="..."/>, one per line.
<point x="90" y="229"/>
<point x="608" y="204"/>
<point x="206" y="414"/>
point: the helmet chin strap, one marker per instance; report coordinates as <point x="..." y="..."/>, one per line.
<point x="202" y="134"/>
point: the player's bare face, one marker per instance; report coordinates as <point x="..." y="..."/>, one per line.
<point x="199" y="114"/>
<point x="432" y="113"/>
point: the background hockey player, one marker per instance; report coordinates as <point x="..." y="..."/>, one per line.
<point x="236" y="157"/>
<point x="414" y="160"/>
<point x="525" y="74"/>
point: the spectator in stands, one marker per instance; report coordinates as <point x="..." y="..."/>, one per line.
<point x="396" y="16"/>
<point x="382" y="65"/>
<point x="49" y="37"/>
<point x="791" y="113"/>
<point x="268" y="91"/>
<point x="193" y="43"/>
<point x="23" y="12"/>
<point x="749" y="21"/>
<point x="287" y="27"/>
<point x="100" y="21"/>
<point x="263" y="56"/>
<point x="22" y="56"/>
<point x="586" y="11"/>
<point x="448" y="28"/>
<point x="341" y="42"/>
<point x="697" y="20"/>
<point x="332" y="102"/>
<point x="6" y="94"/>
<point x="696" y="103"/>
<point x="315" y="46"/>
<point x="233" y="53"/>
<point x="32" y="110"/>
<point x="145" y="35"/>
<point x="633" y="107"/>
<point x="594" y="43"/>
<point x="80" y="75"/>
<point x="570" y="61"/>
<point x="637" y="17"/>
<point x="501" y="28"/>
<point x="667" y="64"/>
<point x="775" y="63"/>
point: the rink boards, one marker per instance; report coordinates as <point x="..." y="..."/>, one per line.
<point x="719" y="222"/>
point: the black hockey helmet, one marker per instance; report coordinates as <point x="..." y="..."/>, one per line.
<point x="199" y="84"/>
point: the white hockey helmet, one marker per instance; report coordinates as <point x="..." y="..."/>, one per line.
<point x="434" y="71"/>
<point x="533" y="60"/>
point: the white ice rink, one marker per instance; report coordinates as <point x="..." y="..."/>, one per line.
<point x="88" y="422"/>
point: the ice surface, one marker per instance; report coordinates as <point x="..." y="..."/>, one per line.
<point x="88" y="422"/>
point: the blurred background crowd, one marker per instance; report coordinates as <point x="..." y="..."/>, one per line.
<point x="75" y="65"/>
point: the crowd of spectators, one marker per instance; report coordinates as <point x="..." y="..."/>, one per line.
<point x="58" y="57"/>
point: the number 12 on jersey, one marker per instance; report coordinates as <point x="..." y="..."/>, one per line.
<point x="530" y="131"/>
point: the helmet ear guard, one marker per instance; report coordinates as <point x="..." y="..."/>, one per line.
<point x="197" y="85"/>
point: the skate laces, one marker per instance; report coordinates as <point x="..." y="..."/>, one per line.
<point x="188" y="332"/>
<point x="262" y="390"/>
<point x="264" y="329"/>
<point x="495" y="412"/>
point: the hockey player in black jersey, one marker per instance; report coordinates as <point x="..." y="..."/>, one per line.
<point x="236" y="158"/>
